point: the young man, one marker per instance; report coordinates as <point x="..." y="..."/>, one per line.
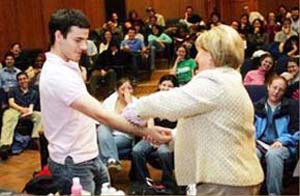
<point x="8" y="78"/>
<point x="277" y="131"/>
<point x="69" y="111"/>
<point x="21" y="100"/>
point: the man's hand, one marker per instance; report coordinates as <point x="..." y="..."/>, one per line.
<point x="276" y="144"/>
<point x="24" y="110"/>
<point x="159" y="135"/>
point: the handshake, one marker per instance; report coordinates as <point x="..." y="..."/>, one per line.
<point x="155" y="134"/>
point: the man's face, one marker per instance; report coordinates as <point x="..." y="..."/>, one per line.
<point x="295" y="14"/>
<point x="271" y="16"/>
<point x="286" y="24"/>
<point x="74" y="44"/>
<point x="189" y="11"/>
<point x="131" y="34"/>
<point x="276" y="90"/>
<point x="23" y="81"/>
<point x="9" y="61"/>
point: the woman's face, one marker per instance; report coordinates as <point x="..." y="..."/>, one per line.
<point x="38" y="62"/>
<point x="181" y="52"/>
<point x="244" y="20"/>
<point x="293" y="68"/>
<point x="166" y="85"/>
<point x="155" y="30"/>
<point x="115" y="17"/>
<point x="267" y="63"/>
<point x="256" y="24"/>
<point x="107" y="35"/>
<point x="125" y="87"/>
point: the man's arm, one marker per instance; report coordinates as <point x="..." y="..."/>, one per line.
<point x="12" y="104"/>
<point x="89" y="106"/>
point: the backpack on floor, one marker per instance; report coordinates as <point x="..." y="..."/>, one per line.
<point x="41" y="183"/>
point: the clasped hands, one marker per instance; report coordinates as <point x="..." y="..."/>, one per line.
<point x="155" y="134"/>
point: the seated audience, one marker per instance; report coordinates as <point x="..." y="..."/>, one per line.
<point x="8" y="77"/>
<point x="157" y="42"/>
<point x="215" y="20"/>
<point x="138" y="34"/>
<point x="111" y="140"/>
<point x="275" y="128"/>
<point x="291" y="46"/>
<point x="135" y="47"/>
<point x="133" y="19"/>
<point x="144" y="150"/>
<point x="282" y="14"/>
<point x="295" y="19"/>
<point x="272" y="27"/>
<point x="103" y="75"/>
<point x="183" y="66"/>
<point x="104" y="44"/>
<point x="257" y="38"/>
<point x="34" y="71"/>
<point x="245" y="26"/>
<point x="21" y="101"/>
<point x="160" y="18"/>
<point x="114" y="58"/>
<point x="21" y="59"/>
<point x="252" y="14"/>
<point x="190" y="18"/>
<point x="284" y="34"/>
<point x="264" y="72"/>
<point x="292" y="76"/>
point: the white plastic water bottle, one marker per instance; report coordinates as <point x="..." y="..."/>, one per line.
<point x="76" y="189"/>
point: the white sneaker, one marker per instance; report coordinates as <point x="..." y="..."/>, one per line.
<point x="107" y="189"/>
<point x="191" y="190"/>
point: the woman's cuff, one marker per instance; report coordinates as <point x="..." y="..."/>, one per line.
<point x="130" y="114"/>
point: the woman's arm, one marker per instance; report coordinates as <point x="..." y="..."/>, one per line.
<point x="198" y="96"/>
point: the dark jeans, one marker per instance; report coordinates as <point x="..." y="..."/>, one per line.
<point x="141" y="152"/>
<point x="92" y="175"/>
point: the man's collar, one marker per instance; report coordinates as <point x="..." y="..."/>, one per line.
<point x="13" y="69"/>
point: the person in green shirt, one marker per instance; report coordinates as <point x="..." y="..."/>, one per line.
<point x="157" y="42"/>
<point x="183" y="66"/>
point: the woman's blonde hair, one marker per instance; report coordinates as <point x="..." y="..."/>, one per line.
<point x="224" y="44"/>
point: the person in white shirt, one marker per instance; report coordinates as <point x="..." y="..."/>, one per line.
<point x="69" y="111"/>
<point x="295" y="20"/>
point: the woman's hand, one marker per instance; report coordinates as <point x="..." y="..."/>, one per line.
<point x="159" y="135"/>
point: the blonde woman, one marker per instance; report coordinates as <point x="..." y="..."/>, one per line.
<point x="215" y="132"/>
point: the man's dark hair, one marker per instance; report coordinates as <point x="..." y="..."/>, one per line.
<point x="9" y="54"/>
<point x="295" y="8"/>
<point x="132" y="29"/>
<point x="22" y="73"/>
<point x="63" y="19"/>
<point x="188" y="7"/>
